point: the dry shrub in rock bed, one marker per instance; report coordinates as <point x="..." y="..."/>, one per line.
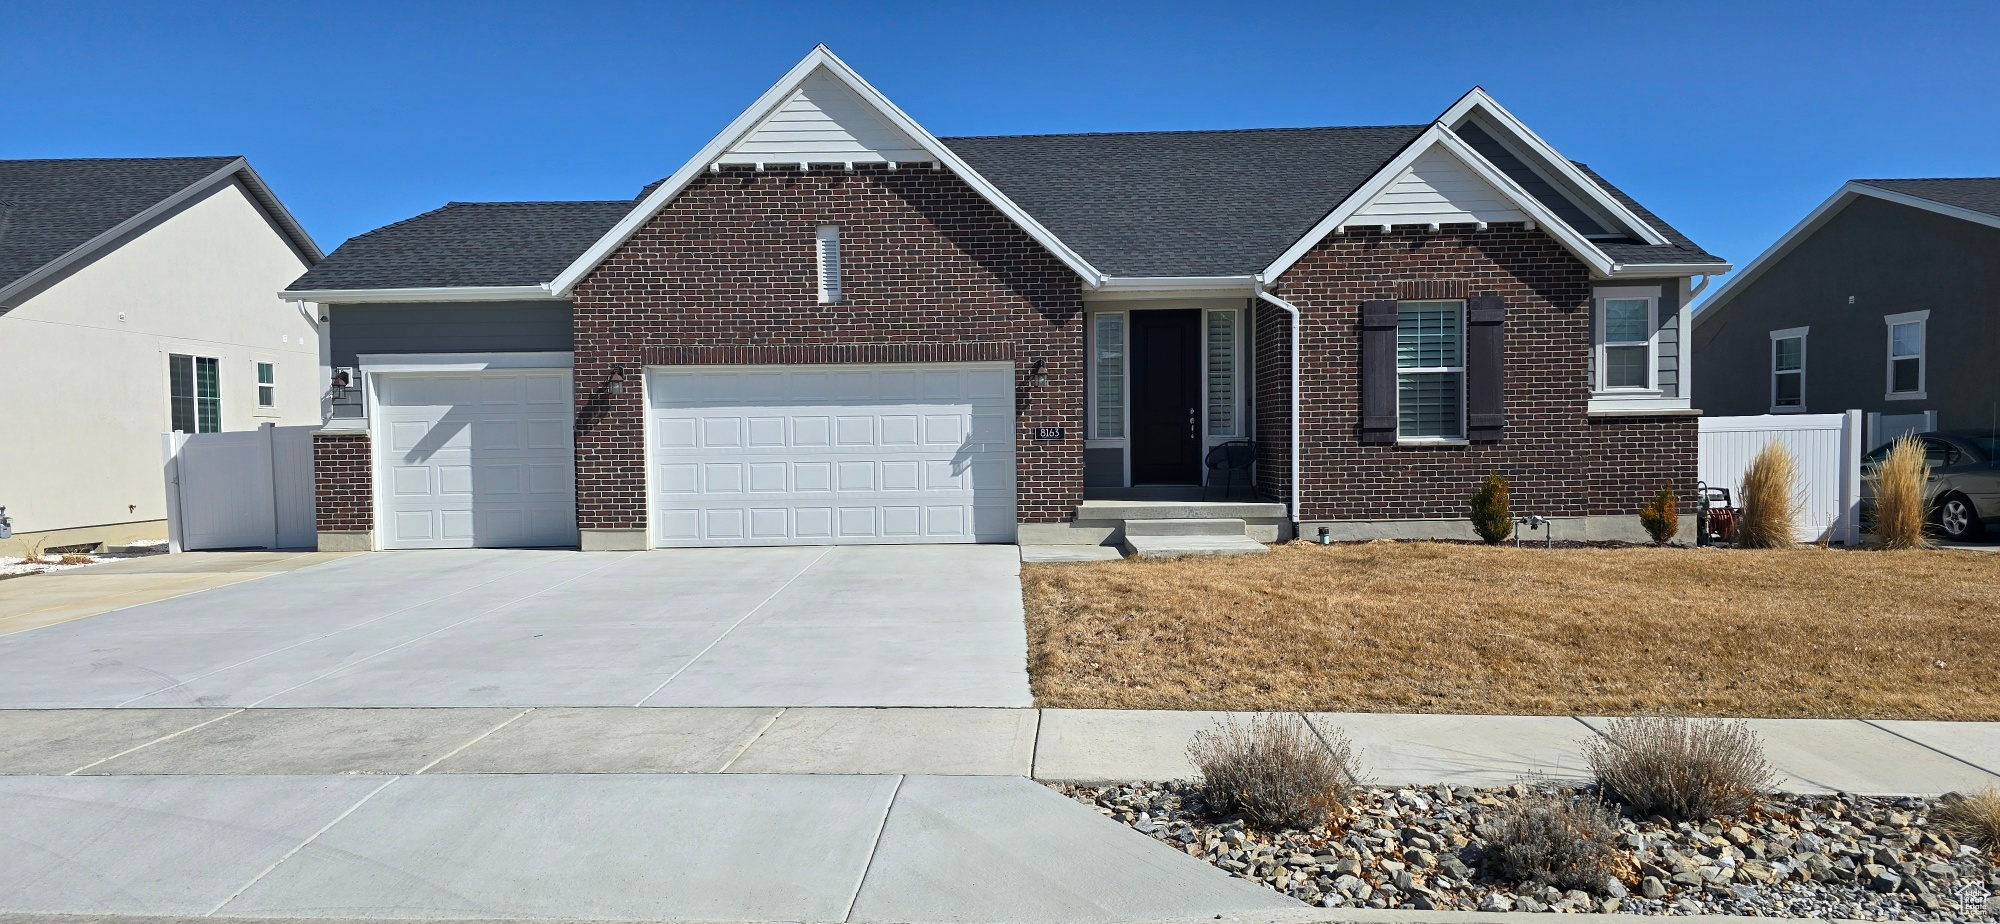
<point x="1680" y="769"/>
<point x="1432" y="848"/>
<point x="1556" y="839"/>
<point x="1273" y="771"/>
<point x="1974" y="819"/>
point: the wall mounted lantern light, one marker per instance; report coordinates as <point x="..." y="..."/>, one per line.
<point x="1041" y="374"/>
<point x="617" y="386"/>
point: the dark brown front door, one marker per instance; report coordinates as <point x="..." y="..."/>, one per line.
<point x="1166" y="397"/>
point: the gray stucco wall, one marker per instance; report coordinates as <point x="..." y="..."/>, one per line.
<point x="467" y="327"/>
<point x="1889" y="259"/>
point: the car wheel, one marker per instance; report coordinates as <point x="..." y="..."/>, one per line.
<point x="1956" y="518"/>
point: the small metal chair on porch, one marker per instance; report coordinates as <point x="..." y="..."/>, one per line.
<point x="1228" y="459"/>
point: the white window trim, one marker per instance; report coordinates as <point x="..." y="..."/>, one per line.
<point x="1209" y="437"/>
<point x="195" y="356"/>
<point x="1651" y="295"/>
<point x="1787" y="334"/>
<point x="1091" y="439"/>
<point x="1923" y="321"/>
<point x="827" y="264"/>
<point x="1461" y="439"/>
<point x="257" y="405"/>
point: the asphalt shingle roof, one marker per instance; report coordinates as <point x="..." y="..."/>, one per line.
<point x="1979" y="194"/>
<point x="1677" y="250"/>
<point x="468" y="244"/>
<point x="1201" y="203"/>
<point x="51" y="207"/>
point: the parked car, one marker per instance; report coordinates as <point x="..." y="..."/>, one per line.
<point x="1964" y="487"/>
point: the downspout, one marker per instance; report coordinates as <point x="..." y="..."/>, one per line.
<point x="1294" y="312"/>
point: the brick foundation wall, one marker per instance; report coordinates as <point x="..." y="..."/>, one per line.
<point x="726" y="273"/>
<point x="343" y="483"/>
<point x="1558" y="460"/>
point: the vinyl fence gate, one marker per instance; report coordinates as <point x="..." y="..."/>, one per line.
<point x="1825" y="448"/>
<point x="245" y="489"/>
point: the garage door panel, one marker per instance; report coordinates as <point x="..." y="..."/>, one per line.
<point x="494" y="468"/>
<point x="892" y="448"/>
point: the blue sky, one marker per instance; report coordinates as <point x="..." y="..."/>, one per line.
<point x="1731" y="120"/>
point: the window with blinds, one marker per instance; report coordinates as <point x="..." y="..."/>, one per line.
<point x="828" y="248"/>
<point x="1222" y="373"/>
<point x="1430" y="370"/>
<point x="194" y="393"/>
<point x="1108" y="370"/>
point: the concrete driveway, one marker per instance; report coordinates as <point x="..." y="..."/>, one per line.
<point x="851" y="626"/>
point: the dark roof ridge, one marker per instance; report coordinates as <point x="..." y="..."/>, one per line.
<point x="1181" y="131"/>
<point x="1923" y="179"/>
<point x="538" y="202"/>
<point x="104" y="160"/>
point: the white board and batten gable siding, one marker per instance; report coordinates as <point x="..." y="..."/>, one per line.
<point x="1437" y="188"/>
<point x="824" y="122"/>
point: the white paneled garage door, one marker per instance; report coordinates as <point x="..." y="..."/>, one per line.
<point x="826" y="455"/>
<point x="474" y="459"/>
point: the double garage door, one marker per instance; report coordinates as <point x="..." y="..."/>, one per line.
<point x="824" y="455"/>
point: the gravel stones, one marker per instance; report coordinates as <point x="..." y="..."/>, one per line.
<point x="1839" y="856"/>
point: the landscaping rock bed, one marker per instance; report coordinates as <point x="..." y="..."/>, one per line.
<point x="1793" y="856"/>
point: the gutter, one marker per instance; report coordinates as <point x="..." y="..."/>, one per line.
<point x="1293" y="310"/>
<point x="422" y="294"/>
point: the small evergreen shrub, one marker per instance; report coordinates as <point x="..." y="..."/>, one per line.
<point x="1662" y="517"/>
<point x="1274" y="772"/>
<point x="1770" y="500"/>
<point x="1680" y="769"/>
<point x="1492" y="513"/>
<point x="1554" y="839"/>
<point x="1899" y="496"/>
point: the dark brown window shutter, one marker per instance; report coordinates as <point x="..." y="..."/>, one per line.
<point x="1378" y="372"/>
<point x="1485" y="368"/>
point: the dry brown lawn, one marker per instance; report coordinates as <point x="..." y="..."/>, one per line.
<point x="1434" y="627"/>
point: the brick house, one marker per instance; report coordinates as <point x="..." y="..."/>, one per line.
<point x="830" y="326"/>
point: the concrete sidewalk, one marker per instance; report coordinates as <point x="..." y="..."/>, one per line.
<point x="1812" y="755"/>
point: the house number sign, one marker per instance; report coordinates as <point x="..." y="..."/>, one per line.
<point x="1048" y="433"/>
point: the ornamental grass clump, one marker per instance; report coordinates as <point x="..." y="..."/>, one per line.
<point x="1770" y="500"/>
<point x="1680" y="769"/>
<point x="1973" y="819"/>
<point x="1554" y="839"/>
<point x="1492" y="512"/>
<point x="1661" y="516"/>
<point x="1274" y="772"/>
<point x="1899" y="496"/>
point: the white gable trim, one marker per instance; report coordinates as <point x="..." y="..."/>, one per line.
<point x="1438" y="136"/>
<point x="1435" y="189"/>
<point x="820" y="59"/>
<point x="1477" y="100"/>
<point x="822" y="121"/>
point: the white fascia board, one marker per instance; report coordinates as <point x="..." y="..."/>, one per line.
<point x="819" y="57"/>
<point x="1168" y="285"/>
<point x="1670" y="269"/>
<point x="439" y="294"/>
<point x="1477" y="98"/>
<point x="462" y="362"/>
<point x="90" y="248"/>
<point x="1440" y="136"/>
<point x="1778" y="250"/>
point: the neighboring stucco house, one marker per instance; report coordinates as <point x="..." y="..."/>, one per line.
<point x="830" y="326"/>
<point x="136" y="298"/>
<point x="1885" y="299"/>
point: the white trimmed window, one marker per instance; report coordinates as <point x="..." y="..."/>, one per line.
<point x="267" y="385"/>
<point x="194" y="393"/>
<point x="1788" y="370"/>
<point x="1430" y="371"/>
<point x="827" y="253"/>
<point x="1626" y="357"/>
<point x="1222" y="372"/>
<point x="1107" y="372"/>
<point x="1907" y="353"/>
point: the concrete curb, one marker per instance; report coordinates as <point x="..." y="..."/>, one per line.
<point x="1303" y="916"/>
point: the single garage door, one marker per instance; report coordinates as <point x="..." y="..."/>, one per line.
<point x="475" y="459"/>
<point x="827" y="455"/>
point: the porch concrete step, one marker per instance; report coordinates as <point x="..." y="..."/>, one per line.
<point x="1205" y="527"/>
<point x="1180" y="546"/>
<point x="1094" y="510"/>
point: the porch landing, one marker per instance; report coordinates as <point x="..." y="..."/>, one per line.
<point x="1168" y="522"/>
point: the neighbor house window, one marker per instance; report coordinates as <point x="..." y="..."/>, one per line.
<point x="1788" y="369"/>
<point x="1906" y="353"/>
<point x="1222" y="373"/>
<point x="194" y="393"/>
<point x="1108" y="374"/>
<point x="1430" y="370"/>
<point x="267" y="385"/>
<point x="1625" y="325"/>
<point x="828" y="253"/>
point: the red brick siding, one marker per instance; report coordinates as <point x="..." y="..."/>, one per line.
<point x="726" y="273"/>
<point x="343" y="483"/>
<point x="1560" y="461"/>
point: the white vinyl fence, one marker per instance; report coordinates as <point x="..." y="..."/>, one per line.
<point x="1825" y="447"/>
<point x="246" y="489"/>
